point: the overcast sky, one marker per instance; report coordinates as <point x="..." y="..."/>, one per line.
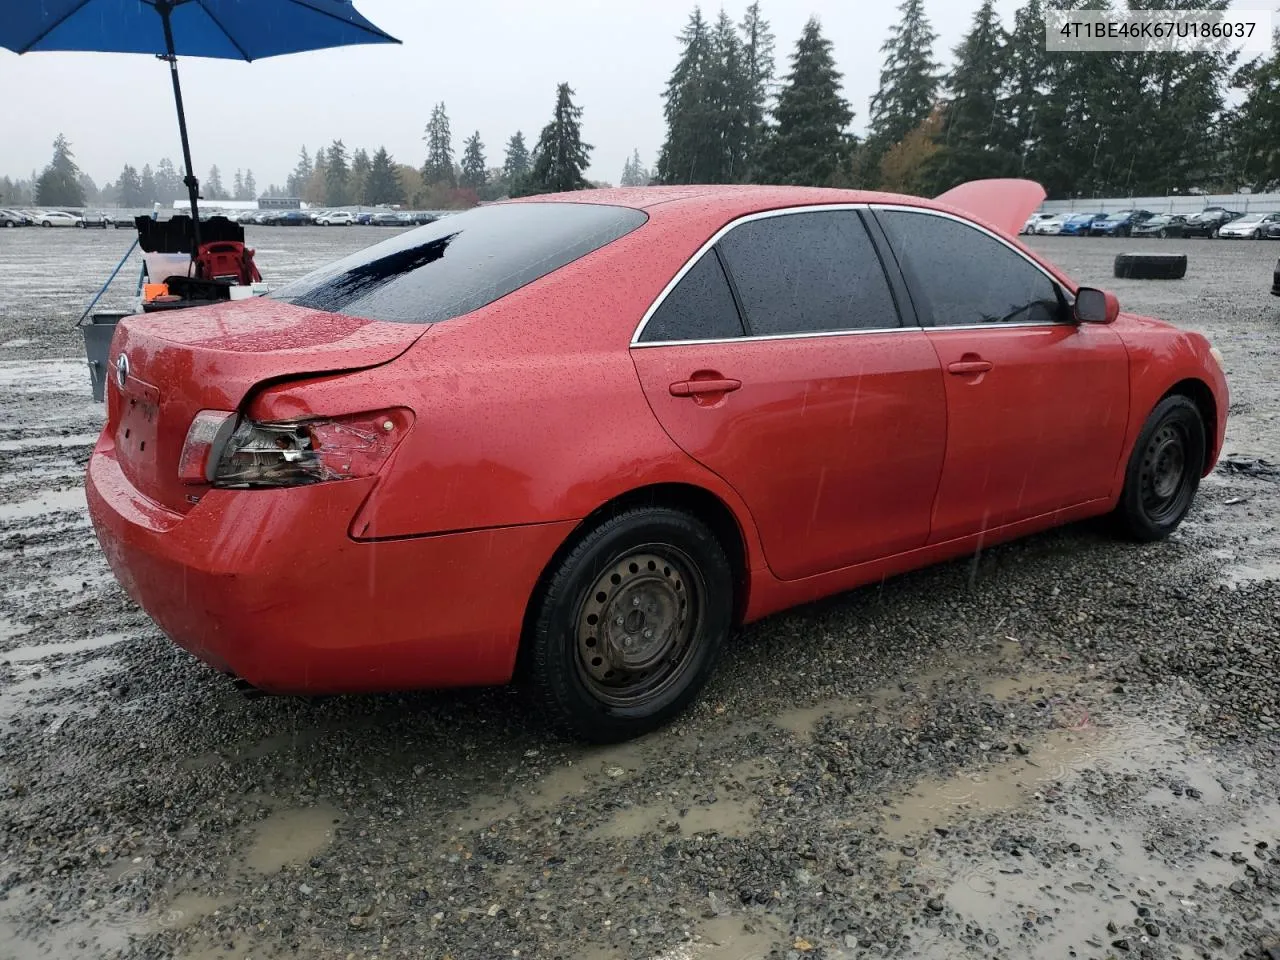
<point x="494" y="63"/>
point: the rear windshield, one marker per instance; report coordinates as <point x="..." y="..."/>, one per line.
<point x="461" y="262"/>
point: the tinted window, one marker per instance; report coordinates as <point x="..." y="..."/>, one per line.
<point x="460" y="262"/>
<point x="808" y="272"/>
<point x="965" y="276"/>
<point x="700" y="307"/>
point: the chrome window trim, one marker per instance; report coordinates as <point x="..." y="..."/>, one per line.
<point x="716" y="238"/>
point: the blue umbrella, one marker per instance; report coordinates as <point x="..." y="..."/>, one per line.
<point x="223" y="29"/>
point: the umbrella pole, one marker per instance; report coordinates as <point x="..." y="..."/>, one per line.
<point x="193" y="185"/>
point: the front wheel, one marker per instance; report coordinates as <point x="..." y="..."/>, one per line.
<point x="1164" y="470"/>
<point x="1257" y="235"/>
<point x="46" y="224"/>
<point x="628" y="627"/>
<point x="1164" y="234"/>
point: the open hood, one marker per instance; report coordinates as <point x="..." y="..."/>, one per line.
<point x="1005" y="204"/>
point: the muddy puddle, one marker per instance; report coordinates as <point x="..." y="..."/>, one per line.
<point x="290" y="836"/>
<point x="44" y="651"/>
<point x="53" y="501"/>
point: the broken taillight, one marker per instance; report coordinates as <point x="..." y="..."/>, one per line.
<point x="289" y="453"/>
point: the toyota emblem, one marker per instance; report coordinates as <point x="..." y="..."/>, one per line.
<point x="122" y="370"/>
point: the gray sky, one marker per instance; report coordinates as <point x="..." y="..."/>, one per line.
<point x="495" y="64"/>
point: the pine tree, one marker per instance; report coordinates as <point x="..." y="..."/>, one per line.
<point x="213" y="188"/>
<point x="316" y="189"/>
<point x="336" y="175"/>
<point x="474" y="174"/>
<point x="634" y="173"/>
<point x="129" y="188"/>
<point x="809" y="143"/>
<point x="148" y="185"/>
<point x="301" y="176"/>
<point x="359" y="176"/>
<point x="976" y="139"/>
<point x="758" y="67"/>
<point x="439" y="164"/>
<point x="383" y="185"/>
<point x="168" y="182"/>
<point x="237" y="186"/>
<point x="1254" y="126"/>
<point x="730" y="97"/>
<point x="1027" y="75"/>
<point x="516" y="165"/>
<point x="689" y="152"/>
<point x="59" y="184"/>
<point x="560" y="157"/>
<point x="908" y="83"/>
<point x="250" y="186"/>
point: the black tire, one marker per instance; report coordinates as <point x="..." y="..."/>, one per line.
<point x="9" y="223"/>
<point x="1257" y="235"/>
<point x="46" y="224"/>
<point x="1164" y="470"/>
<point x="1151" y="266"/>
<point x="643" y="563"/>
<point x="1164" y="234"/>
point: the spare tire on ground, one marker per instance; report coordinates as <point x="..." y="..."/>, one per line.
<point x="1151" y="266"/>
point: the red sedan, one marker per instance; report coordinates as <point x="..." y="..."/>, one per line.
<point x="589" y="435"/>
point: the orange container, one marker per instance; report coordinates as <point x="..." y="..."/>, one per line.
<point x="151" y="291"/>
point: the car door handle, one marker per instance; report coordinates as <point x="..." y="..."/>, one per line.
<point x="969" y="367"/>
<point x="694" y="388"/>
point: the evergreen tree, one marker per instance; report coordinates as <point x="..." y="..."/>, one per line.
<point x="250" y="186"/>
<point x="88" y="188"/>
<point x="148" y="185"/>
<point x="1027" y="75"/>
<point x="59" y="184"/>
<point x="976" y="139"/>
<point x="634" y="173"/>
<point x="688" y="154"/>
<point x="758" y="68"/>
<point x="213" y="188"/>
<point x="301" y="176"/>
<point x="237" y="186"/>
<point x="516" y="165"/>
<point x="731" y="98"/>
<point x="129" y="188"/>
<point x="809" y="143"/>
<point x="336" y="175"/>
<point x="560" y="157"/>
<point x="168" y="182"/>
<point x="474" y="174"/>
<point x="908" y="83"/>
<point x="1255" y="125"/>
<point x="383" y="185"/>
<point x="316" y="188"/>
<point x="439" y="164"/>
<point x="359" y="175"/>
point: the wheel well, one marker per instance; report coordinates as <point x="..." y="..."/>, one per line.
<point x="697" y="501"/>
<point x="1198" y="392"/>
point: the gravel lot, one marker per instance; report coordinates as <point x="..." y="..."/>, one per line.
<point x="1065" y="748"/>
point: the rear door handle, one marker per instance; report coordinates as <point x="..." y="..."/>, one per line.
<point x="963" y="367"/>
<point x="694" y="388"/>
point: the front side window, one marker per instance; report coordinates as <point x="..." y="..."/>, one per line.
<point x="461" y="262"/>
<point x="966" y="277"/>
<point x="700" y="307"/>
<point x="808" y="273"/>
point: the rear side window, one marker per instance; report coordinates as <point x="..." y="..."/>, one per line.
<point x="700" y="307"/>
<point x="965" y="276"/>
<point x="808" y="273"/>
<point x="461" y="262"/>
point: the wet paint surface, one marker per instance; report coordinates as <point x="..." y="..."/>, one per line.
<point x="1084" y="719"/>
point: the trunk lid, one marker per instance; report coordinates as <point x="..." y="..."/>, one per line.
<point x="211" y="358"/>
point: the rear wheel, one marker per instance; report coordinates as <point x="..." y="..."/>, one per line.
<point x="1257" y="235"/>
<point x="629" y="626"/>
<point x="1164" y="470"/>
<point x="1164" y="234"/>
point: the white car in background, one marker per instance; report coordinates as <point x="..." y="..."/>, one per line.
<point x="1051" y="225"/>
<point x="336" y="218"/>
<point x="1252" y="226"/>
<point x="59" y="218"/>
<point x="1034" y="220"/>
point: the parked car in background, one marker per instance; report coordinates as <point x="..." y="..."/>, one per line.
<point x="97" y="219"/>
<point x="1118" y="224"/>
<point x="335" y="218"/>
<point x="364" y="217"/>
<point x="386" y="218"/>
<point x="14" y="218"/>
<point x="59" y="218"/>
<point x="1251" y="226"/>
<point x="1207" y="222"/>
<point x="1035" y="218"/>
<point x="288" y="218"/>
<point x="422" y="219"/>
<point x="1162" y="225"/>
<point x="1077" y="224"/>
<point x="341" y="490"/>
<point x="1050" y="226"/>
<point x="1272" y="232"/>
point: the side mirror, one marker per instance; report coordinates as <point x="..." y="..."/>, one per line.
<point x="1096" y="306"/>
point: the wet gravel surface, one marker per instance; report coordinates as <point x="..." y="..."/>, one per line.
<point x="1064" y="748"/>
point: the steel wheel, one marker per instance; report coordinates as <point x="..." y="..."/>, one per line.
<point x="1164" y="473"/>
<point x="1164" y="470"/>
<point x="638" y="626"/>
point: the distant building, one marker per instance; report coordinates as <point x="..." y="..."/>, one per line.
<point x="279" y="203"/>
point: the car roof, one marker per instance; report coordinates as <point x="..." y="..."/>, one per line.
<point x="744" y="198"/>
